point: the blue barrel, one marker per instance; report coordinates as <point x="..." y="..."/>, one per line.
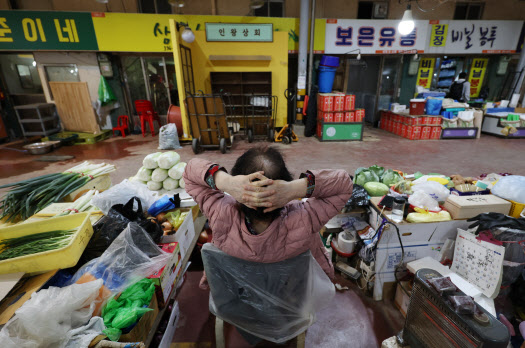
<point x="326" y="79"/>
<point x="329" y="61"/>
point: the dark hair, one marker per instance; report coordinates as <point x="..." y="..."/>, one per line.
<point x="462" y="75"/>
<point x="269" y="160"/>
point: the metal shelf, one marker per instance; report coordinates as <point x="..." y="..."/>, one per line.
<point x="36" y="120"/>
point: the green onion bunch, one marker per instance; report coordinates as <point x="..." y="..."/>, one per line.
<point x="25" y="198"/>
<point x="34" y="243"/>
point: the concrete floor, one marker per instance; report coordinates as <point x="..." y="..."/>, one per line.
<point x="353" y="320"/>
<point x="466" y="157"/>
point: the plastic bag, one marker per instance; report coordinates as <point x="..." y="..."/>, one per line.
<point x="84" y="335"/>
<point x="442" y="285"/>
<point x="126" y="310"/>
<point x="359" y="198"/>
<point x="466" y="118"/>
<point x="463" y="304"/>
<point x="121" y="194"/>
<point x="164" y="204"/>
<point x="105" y="93"/>
<point x="510" y="187"/>
<point x="514" y="264"/>
<point x="423" y="200"/>
<point x="132" y="256"/>
<point x="425" y="216"/>
<point x="45" y="320"/>
<point x="274" y="301"/>
<point x="436" y="190"/>
<point x="168" y="137"/>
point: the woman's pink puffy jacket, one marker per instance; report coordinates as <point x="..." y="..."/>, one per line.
<point x="292" y="233"/>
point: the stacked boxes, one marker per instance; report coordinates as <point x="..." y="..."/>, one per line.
<point x="412" y="127"/>
<point x="339" y="109"/>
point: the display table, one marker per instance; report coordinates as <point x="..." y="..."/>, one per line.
<point x="492" y="125"/>
<point x="419" y="240"/>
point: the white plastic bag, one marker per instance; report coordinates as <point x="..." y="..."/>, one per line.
<point x="423" y="200"/>
<point x="274" y="301"/>
<point x="83" y="336"/>
<point x="122" y="193"/>
<point x="510" y="187"/>
<point x="168" y="137"/>
<point x="46" y="319"/>
<point x="437" y="191"/>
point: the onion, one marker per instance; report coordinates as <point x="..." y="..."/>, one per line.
<point x="160" y="217"/>
<point x="166" y="226"/>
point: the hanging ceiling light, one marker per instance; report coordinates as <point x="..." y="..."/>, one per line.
<point x="406" y="25"/>
<point x="188" y="35"/>
<point x="416" y="57"/>
<point x="358" y="56"/>
<point x="176" y="3"/>
<point x="255" y="4"/>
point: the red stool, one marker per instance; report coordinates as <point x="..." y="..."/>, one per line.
<point x="147" y="114"/>
<point x="122" y="125"/>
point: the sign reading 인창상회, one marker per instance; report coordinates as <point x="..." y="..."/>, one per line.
<point x="239" y="32"/>
<point x="44" y="30"/>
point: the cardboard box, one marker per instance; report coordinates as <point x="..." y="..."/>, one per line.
<point x="402" y="300"/>
<point x="349" y="102"/>
<point x="140" y="332"/>
<point x="425" y="132"/>
<point x="359" y="115"/>
<point x="325" y="102"/>
<point x="435" y="133"/>
<point x="165" y="277"/>
<point x="403" y="130"/>
<point x="338" y="117"/>
<point x="21" y="293"/>
<point x="350" y="116"/>
<point x="413" y="132"/>
<point x="339" y="101"/>
<point x="465" y="207"/>
<point x="170" y="329"/>
<point x="325" y="116"/>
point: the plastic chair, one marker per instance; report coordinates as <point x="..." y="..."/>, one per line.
<point x="271" y="301"/>
<point x="122" y="125"/>
<point x="147" y="114"/>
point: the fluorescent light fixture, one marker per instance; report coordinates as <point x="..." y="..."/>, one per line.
<point x="407" y="24"/>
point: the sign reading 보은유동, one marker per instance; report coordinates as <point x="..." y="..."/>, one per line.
<point x="43" y="30"/>
<point x="239" y="32"/>
<point x="476" y="76"/>
<point x="372" y="37"/>
<point x="426" y="69"/>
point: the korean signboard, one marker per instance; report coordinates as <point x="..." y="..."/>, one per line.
<point x="38" y="30"/>
<point x="248" y="32"/>
<point x="425" y="72"/>
<point x="372" y="36"/>
<point x="476" y="76"/>
<point x="472" y="37"/>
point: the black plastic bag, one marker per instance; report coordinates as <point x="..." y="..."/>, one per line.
<point x="358" y="199"/>
<point x="110" y="226"/>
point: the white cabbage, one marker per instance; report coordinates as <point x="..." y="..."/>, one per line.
<point x="168" y="159"/>
<point x="159" y="175"/>
<point x="151" y="160"/>
<point x="177" y="171"/>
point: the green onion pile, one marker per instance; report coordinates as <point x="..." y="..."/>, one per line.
<point x="34" y="243"/>
<point x="30" y="196"/>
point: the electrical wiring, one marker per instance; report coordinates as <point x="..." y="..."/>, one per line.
<point x="422" y="9"/>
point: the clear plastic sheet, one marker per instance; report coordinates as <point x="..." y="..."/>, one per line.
<point x="48" y="318"/>
<point x="274" y="301"/>
<point x="514" y="264"/>
<point x="122" y="193"/>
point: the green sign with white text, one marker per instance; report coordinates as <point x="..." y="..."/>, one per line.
<point x="239" y="32"/>
<point x="42" y="30"/>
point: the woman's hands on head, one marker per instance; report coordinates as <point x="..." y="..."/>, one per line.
<point x="256" y="190"/>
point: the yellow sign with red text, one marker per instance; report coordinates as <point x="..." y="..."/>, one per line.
<point x="476" y="76"/>
<point x="425" y="72"/>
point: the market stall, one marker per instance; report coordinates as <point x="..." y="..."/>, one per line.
<point x="508" y="123"/>
<point x="105" y="262"/>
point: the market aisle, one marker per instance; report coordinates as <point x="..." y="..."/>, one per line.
<point x="352" y="317"/>
<point x="466" y="157"/>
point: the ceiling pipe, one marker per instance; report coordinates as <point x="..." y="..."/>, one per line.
<point x="213" y="7"/>
<point x="311" y="56"/>
<point x="303" y="45"/>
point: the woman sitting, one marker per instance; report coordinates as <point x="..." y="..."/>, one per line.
<point x="255" y="213"/>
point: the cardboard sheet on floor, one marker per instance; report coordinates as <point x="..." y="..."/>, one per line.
<point x="8" y="281"/>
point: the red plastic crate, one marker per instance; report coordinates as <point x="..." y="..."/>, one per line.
<point x="338" y="117"/>
<point x="339" y="101"/>
<point x="425" y="132"/>
<point x="349" y="102"/>
<point x="325" y="102"/>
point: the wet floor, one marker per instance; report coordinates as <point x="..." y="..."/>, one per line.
<point x="466" y="157"/>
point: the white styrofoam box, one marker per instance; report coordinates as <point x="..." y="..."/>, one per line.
<point x="170" y="329"/>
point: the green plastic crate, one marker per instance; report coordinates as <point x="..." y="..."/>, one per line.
<point x="340" y="131"/>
